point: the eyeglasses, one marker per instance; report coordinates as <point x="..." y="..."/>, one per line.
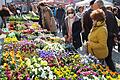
<point x="70" y="12"/>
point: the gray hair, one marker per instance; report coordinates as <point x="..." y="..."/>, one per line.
<point x="100" y="3"/>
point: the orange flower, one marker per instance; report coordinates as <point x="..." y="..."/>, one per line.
<point x="4" y="59"/>
<point x="104" y="73"/>
<point x="12" y="53"/>
<point x="13" y="62"/>
<point x="112" y="73"/>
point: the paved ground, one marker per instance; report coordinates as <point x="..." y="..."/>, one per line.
<point x="116" y="59"/>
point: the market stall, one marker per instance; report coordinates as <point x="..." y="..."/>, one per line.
<point x="32" y="53"/>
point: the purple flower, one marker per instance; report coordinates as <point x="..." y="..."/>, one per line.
<point x="70" y="79"/>
<point x="62" y="79"/>
<point x="80" y="79"/>
<point x="28" y="78"/>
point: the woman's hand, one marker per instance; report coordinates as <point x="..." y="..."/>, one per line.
<point x="89" y="43"/>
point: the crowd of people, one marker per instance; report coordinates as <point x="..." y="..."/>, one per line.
<point x="98" y="26"/>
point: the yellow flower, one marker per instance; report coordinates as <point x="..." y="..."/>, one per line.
<point x="6" y="54"/>
<point x="101" y="67"/>
<point x="68" y="71"/>
<point x="58" y="72"/>
<point x="75" y="75"/>
<point x="5" y="65"/>
<point x="21" y="64"/>
<point x="109" y="77"/>
<point x="21" y="59"/>
<point x="17" y="55"/>
<point x="60" y="76"/>
<point x="13" y="61"/>
<point x="94" y="66"/>
<point x="14" y="39"/>
<point x="119" y="76"/>
<point x="114" y="79"/>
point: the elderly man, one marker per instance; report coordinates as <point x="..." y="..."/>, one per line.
<point x="112" y="28"/>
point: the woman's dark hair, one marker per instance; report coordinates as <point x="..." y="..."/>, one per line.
<point x="4" y="12"/>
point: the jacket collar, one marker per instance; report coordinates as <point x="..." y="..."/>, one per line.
<point x="98" y="25"/>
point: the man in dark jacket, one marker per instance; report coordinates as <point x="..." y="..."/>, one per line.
<point x="112" y="28"/>
<point x="87" y="22"/>
<point x="60" y="15"/>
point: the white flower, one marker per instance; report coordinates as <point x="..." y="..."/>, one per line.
<point x="48" y="68"/>
<point x="43" y="75"/>
<point x="40" y="69"/>
<point x="39" y="59"/>
<point x="31" y="66"/>
<point x="28" y="62"/>
<point x="51" y="75"/>
<point x="86" y="78"/>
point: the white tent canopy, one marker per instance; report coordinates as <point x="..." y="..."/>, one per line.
<point x="87" y="2"/>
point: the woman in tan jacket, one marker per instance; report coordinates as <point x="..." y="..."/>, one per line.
<point x="97" y="39"/>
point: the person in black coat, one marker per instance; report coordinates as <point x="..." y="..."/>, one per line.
<point x="112" y="28"/>
<point x="40" y="13"/>
<point x="60" y="15"/>
<point x="76" y="29"/>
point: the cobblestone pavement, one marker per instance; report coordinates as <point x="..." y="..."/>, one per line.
<point x="116" y="59"/>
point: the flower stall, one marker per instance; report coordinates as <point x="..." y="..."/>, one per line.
<point x="31" y="53"/>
